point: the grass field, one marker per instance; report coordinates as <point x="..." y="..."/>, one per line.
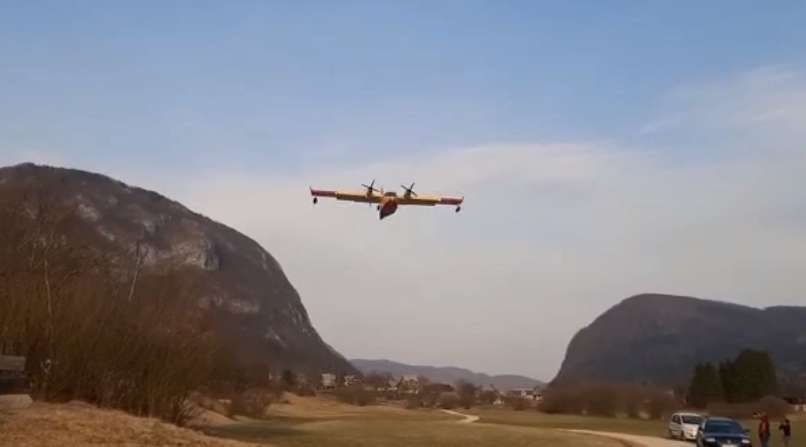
<point x="309" y="423"/>
<point x="571" y="422"/>
<point x="316" y="422"/>
<point x="621" y="425"/>
<point x="399" y="431"/>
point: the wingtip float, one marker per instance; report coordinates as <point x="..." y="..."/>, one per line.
<point x="388" y="202"/>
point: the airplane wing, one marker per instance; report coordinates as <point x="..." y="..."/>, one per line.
<point x="430" y="201"/>
<point x="349" y="196"/>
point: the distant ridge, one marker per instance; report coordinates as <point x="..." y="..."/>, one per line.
<point x="656" y="338"/>
<point x="446" y="374"/>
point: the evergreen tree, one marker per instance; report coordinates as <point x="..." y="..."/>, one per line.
<point x="753" y="376"/>
<point x="705" y="386"/>
<point x="289" y="378"/>
<point x="747" y="378"/>
<point x="727" y="374"/>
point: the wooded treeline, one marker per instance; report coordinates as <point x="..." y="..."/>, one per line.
<point x="747" y="378"/>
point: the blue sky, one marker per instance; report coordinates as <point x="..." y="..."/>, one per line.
<point x="606" y="148"/>
<point x="281" y="83"/>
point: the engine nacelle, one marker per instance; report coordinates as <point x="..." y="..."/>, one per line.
<point x="315" y="200"/>
<point x="458" y="208"/>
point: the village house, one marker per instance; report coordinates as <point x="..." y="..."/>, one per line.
<point x="526" y="393"/>
<point x="328" y="381"/>
<point x="409" y="384"/>
<point x="389" y="387"/>
<point x="350" y="380"/>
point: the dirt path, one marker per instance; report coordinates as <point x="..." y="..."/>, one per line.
<point x="468" y="418"/>
<point x="645" y="441"/>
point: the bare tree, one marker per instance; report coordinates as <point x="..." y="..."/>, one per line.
<point x="88" y="333"/>
<point x="467" y="393"/>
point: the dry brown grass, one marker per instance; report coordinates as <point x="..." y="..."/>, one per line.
<point x="407" y="429"/>
<point x="324" y="408"/>
<point x="323" y="422"/>
<point x="78" y="424"/>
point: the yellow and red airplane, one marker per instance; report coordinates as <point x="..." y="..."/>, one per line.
<point x="388" y="202"/>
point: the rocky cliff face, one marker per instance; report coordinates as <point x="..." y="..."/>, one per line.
<point x="659" y="338"/>
<point x="258" y="312"/>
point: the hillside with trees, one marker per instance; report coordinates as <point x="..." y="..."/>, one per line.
<point x="123" y="298"/>
<point x="658" y="339"/>
<point x="747" y="378"/>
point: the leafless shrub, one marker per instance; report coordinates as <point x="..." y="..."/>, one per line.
<point x="563" y="400"/>
<point x="413" y="403"/>
<point x="488" y="397"/>
<point x="449" y="400"/>
<point x="356" y="395"/>
<point x="466" y="392"/>
<point x="216" y="405"/>
<point x="632" y="402"/>
<point x="87" y="332"/>
<point x="378" y="380"/>
<point x="305" y="391"/>
<point x="518" y="403"/>
<point x="253" y="402"/>
<point x="660" y="404"/>
<point x="772" y="406"/>
<point x="609" y="400"/>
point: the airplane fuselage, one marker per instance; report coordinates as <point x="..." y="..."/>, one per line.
<point x="387" y="207"/>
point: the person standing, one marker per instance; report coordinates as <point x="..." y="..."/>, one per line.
<point x="786" y="431"/>
<point x="764" y="431"/>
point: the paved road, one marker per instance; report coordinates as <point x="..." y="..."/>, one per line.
<point x="646" y="441"/>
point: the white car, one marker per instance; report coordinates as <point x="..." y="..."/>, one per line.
<point x="685" y="426"/>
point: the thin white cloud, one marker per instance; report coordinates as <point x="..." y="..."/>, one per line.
<point x="768" y="101"/>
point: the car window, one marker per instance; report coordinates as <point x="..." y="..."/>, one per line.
<point x="731" y="427"/>
<point x="694" y="420"/>
<point x="676" y="419"/>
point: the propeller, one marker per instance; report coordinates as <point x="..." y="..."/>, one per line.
<point x="371" y="187"/>
<point x="409" y="190"/>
